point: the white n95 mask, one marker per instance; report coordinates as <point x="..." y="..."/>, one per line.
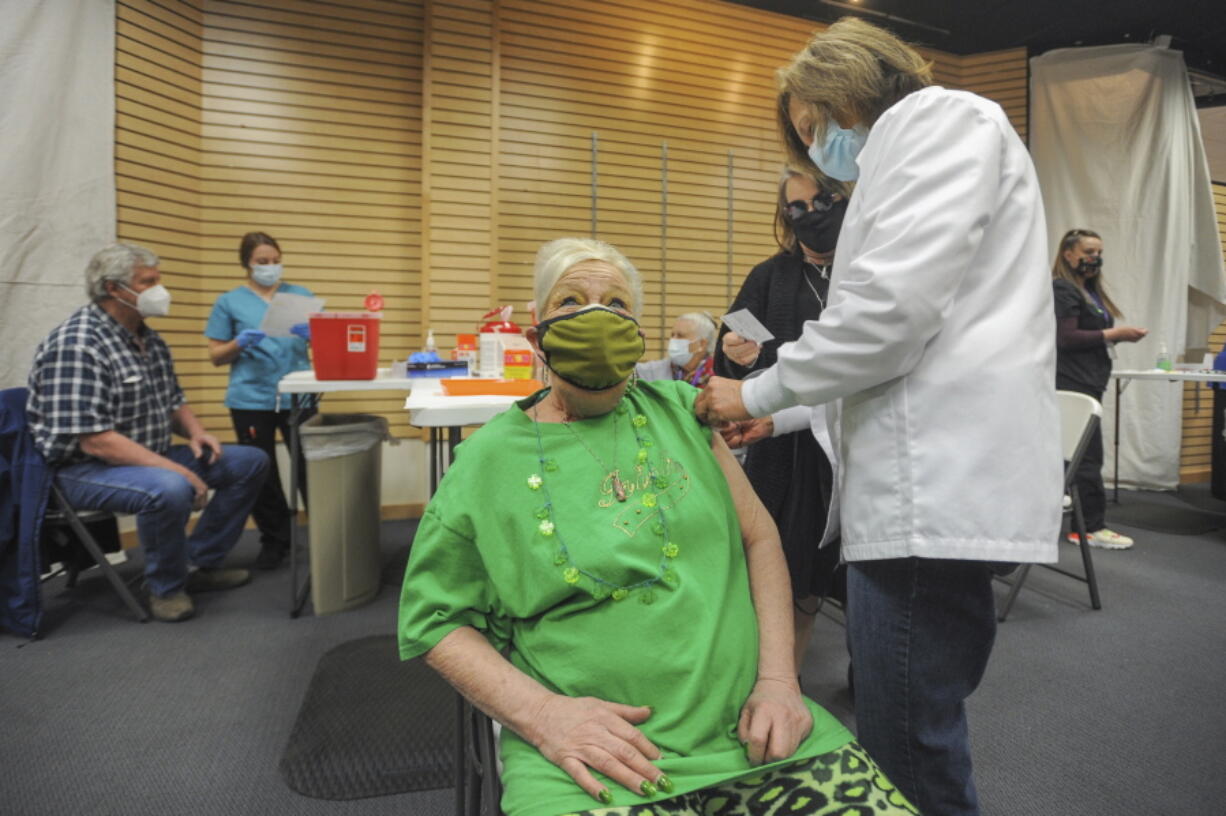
<point x="679" y="351"/>
<point x="152" y="302"/>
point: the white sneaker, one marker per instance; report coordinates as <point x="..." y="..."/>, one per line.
<point x="1109" y="540"/>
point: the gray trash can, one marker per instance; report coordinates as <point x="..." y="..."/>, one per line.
<point x="344" y="454"/>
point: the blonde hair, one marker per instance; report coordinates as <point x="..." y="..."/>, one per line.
<point x="559" y="255"/>
<point x="785" y="235"/>
<point x="852" y="68"/>
<point x="1063" y="270"/>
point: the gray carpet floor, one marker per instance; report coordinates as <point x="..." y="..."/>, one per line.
<point x="1120" y="711"/>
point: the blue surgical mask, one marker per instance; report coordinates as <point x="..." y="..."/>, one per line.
<point x="836" y="156"/>
<point x="266" y="274"/>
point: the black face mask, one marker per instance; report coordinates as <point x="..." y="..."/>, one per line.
<point x="819" y="231"/>
<point x="1087" y="265"/>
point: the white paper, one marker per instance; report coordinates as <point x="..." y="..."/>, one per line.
<point x="745" y="324"/>
<point x="288" y="309"/>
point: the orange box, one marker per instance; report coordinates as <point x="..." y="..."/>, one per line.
<point x="517" y="364"/>
<point x="478" y="387"/>
<point x="345" y="345"/>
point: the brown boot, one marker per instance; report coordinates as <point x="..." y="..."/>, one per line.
<point x="172" y="608"/>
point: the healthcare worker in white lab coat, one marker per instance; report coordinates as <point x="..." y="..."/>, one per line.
<point x="936" y="353"/>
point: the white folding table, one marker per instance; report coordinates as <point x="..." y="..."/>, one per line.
<point x="429" y="407"/>
<point x="1121" y="377"/>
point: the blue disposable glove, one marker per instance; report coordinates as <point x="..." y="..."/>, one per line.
<point x="302" y="330"/>
<point x="249" y="337"/>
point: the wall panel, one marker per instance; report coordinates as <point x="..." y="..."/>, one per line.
<point x="1003" y="77"/>
<point x="157" y="158"/>
<point x="697" y="77"/>
<point x="311" y="132"/>
<point x="1195" y="456"/>
<point x="426" y="148"/>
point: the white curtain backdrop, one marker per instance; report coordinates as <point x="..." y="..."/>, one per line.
<point x="57" y="194"/>
<point x="1117" y="146"/>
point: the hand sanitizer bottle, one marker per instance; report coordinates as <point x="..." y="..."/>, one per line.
<point x="1164" y="359"/>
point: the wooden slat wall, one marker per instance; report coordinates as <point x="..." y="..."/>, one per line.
<point x="1195" y="455"/>
<point x="1003" y="77"/>
<point x="311" y="132"/>
<point x="157" y="157"/>
<point x="380" y="138"/>
<point x="641" y="75"/>
<point x="460" y="178"/>
<point x="697" y="77"/>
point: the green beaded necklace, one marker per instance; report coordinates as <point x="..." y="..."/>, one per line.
<point x="575" y="575"/>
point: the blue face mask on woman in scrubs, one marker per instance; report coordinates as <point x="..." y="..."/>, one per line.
<point x="266" y="274"/>
<point x="836" y="154"/>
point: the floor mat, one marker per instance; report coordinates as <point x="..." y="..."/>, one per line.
<point x="371" y="725"/>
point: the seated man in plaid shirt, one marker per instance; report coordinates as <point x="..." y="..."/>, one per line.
<point x="104" y="400"/>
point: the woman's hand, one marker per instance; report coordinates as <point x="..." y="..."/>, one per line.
<point x="739" y="350"/>
<point x="582" y="733"/>
<point x="249" y="337"/>
<point x="773" y="720"/>
<point x="1124" y="334"/>
<point x="720" y="403"/>
<point x="744" y="434"/>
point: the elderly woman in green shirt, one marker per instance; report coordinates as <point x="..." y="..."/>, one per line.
<point x="596" y="574"/>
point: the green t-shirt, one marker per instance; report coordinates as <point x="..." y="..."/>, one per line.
<point x="687" y="647"/>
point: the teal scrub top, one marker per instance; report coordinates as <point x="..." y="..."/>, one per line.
<point x="254" y="374"/>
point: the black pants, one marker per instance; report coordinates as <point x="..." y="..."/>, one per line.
<point x="271" y="511"/>
<point x="1089" y="478"/>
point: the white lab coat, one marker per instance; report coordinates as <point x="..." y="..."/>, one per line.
<point x="939" y="340"/>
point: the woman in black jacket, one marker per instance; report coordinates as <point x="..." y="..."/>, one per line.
<point x="1085" y="333"/>
<point x="789" y="471"/>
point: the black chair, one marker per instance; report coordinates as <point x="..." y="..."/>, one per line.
<point x="61" y="518"/>
<point x="1080" y="416"/>
<point x="478" y="789"/>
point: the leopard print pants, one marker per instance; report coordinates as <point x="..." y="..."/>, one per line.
<point x="845" y="782"/>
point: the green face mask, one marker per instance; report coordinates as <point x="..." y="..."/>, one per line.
<point x="594" y="348"/>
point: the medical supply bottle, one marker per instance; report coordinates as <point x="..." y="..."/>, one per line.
<point x="1164" y="359"/>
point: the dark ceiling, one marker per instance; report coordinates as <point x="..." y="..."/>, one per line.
<point x="1196" y="27"/>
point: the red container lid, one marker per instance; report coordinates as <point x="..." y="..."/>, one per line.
<point x="346" y="316"/>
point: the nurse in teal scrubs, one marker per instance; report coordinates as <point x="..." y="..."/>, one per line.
<point x="257" y="363"/>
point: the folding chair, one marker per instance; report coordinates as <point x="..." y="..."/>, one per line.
<point x="63" y="514"/>
<point x="1080" y="416"/>
<point x="478" y="789"/>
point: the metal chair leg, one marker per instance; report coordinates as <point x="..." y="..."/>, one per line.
<point x="1013" y="590"/>
<point x="87" y="541"/>
<point x="1083" y="542"/>
<point x="461" y="758"/>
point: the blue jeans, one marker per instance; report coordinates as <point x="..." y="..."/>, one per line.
<point x="162" y="502"/>
<point x="921" y="631"/>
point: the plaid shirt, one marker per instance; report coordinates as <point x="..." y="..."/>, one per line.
<point x="90" y="375"/>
